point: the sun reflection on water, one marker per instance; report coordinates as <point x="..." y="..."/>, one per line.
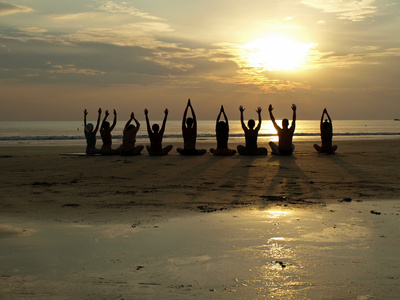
<point x="280" y="272"/>
<point x="275" y="214"/>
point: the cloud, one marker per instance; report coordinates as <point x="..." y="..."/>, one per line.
<point x="367" y="55"/>
<point x="32" y="30"/>
<point x="121" y="7"/>
<point x="8" y="9"/>
<point x="133" y="53"/>
<point x="134" y="34"/>
<point x="119" y="44"/>
<point x="71" y="69"/>
<point x="354" y="10"/>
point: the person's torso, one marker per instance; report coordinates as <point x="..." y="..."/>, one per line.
<point x="222" y="139"/>
<point x="189" y="138"/>
<point x="285" y="139"/>
<point x="155" y="142"/>
<point x="251" y="139"/>
<point x="106" y="137"/>
<point x="90" y="138"/>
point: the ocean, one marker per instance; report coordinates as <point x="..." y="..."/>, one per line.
<point x="72" y="132"/>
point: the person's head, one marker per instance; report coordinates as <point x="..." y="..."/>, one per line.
<point x="130" y="127"/>
<point x="285" y="123"/>
<point x="189" y="122"/>
<point x="89" y="127"/>
<point x="326" y="125"/>
<point x="221" y="126"/>
<point x="105" y="125"/>
<point x="251" y="123"/>
<point x="155" y="128"/>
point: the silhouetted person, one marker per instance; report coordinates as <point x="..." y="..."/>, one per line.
<point x="128" y="146"/>
<point x="90" y="134"/>
<point x="326" y="135"/>
<point x="285" y="134"/>
<point x="222" y="132"/>
<point x="251" y="134"/>
<point x="105" y="131"/>
<point x="156" y="135"/>
<point x="189" y="133"/>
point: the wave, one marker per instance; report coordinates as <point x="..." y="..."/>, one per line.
<point x="199" y="136"/>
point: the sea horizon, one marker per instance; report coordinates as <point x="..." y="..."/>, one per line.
<point x="72" y="132"/>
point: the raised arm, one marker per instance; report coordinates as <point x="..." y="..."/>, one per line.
<point x="193" y="115"/>
<point x="98" y="121"/>
<point x="322" y="118"/>
<point x="164" y="121"/>
<point x="271" y="115"/>
<point x="241" y="108"/>
<point x="85" y="112"/>
<point x="219" y="115"/>
<point x="329" y="118"/>
<point x="114" y="121"/>
<point x="129" y="121"/>
<point x="106" y="114"/>
<point x="136" y="121"/>
<point x="146" y="113"/>
<point x="294" y="117"/>
<point x="259" y="118"/>
<point x="225" y="117"/>
<point x="184" y="115"/>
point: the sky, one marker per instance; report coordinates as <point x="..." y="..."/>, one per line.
<point x="59" y="57"/>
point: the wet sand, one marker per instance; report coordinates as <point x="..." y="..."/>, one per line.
<point x="339" y="251"/>
<point x="42" y="190"/>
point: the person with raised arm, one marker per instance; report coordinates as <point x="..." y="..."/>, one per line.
<point x="90" y="134"/>
<point x="222" y="133"/>
<point x="326" y="135"/>
<point x="189" y="133"/>
<point x="285" y="134"/>
<point x="156" y="134"/>
<point x="128" y="147"/>
<point x="105" y="131"/>
<point x="251" y="134"/>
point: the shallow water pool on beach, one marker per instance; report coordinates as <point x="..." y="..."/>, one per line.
<point x="339" y="251"/>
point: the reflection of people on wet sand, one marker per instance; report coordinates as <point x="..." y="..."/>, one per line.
<point x="156" y="135"/>
<point x="251" y="135"/>
<point x="128" y="146"/>
<point x="189" y="132"/>
<point x="222" y="132"/>
<point x="285" y="134"/>
<point x="105" y="131"/>
<point x="326" y="135"/>
<point x="90" y="134"/>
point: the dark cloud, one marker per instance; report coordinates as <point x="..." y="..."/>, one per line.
<point x="8" y="9"/>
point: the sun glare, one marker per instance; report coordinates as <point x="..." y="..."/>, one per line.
<point x="276" y="53"/>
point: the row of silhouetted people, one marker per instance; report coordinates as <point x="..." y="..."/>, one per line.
<point x="189" y="133"/>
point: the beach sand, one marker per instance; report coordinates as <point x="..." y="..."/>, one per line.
<point x="39" y="183"/>
<point x="40" y="186"/>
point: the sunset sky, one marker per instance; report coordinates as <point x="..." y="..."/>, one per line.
<point x="59" y="57"/>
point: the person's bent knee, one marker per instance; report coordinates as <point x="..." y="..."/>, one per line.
<point x="241" y="150"/>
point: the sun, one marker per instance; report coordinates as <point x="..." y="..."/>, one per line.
<point x="276" y="53"/>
